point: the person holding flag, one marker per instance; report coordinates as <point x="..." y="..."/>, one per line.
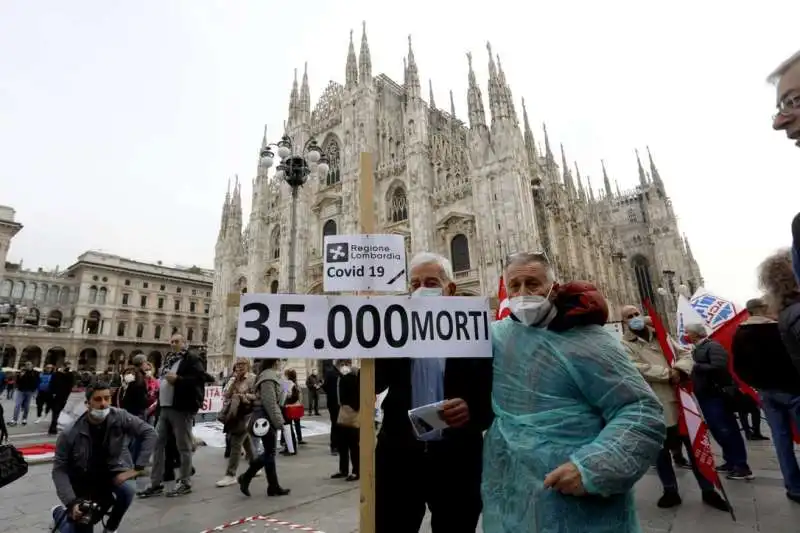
<point x="715" y="391"/>
<point x="663" y="374"/>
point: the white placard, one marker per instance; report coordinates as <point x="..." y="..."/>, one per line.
<point x="212" y="402"/>
<point x="344" y="327"/>
<point x="364" y="263"/>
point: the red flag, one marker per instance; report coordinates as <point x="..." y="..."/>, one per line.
<point x="502" y="301"/>
<point x="691" y="420"/>
<point x="724" y="336"/>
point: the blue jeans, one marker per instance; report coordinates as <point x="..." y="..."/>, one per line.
<point x="782" y="409"/>
<point x="123" y="497"/>
<point x="723" y="427"/>
<point x="666" y="472"/>
<point x="22" y="402"/>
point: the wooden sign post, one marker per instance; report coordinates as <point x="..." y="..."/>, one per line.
<point x="366" y="202"/>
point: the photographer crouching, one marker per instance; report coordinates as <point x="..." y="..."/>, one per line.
<point x="92" y="465"/>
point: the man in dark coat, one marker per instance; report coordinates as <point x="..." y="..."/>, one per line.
<point x="60" y="388"/>
<point x="442" y="472"/>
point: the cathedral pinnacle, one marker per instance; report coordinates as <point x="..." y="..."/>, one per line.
<point x="452" y="105"/>
<point x="496" y="92"/>
<point x="364" y="58"/>
<point x="606" y="181"/>
<point x="548" y="153"/>
<point x="591" y="190"/>
<point x="264" y="139"/>
<point x="477" y="115"/>
<point x="351" y="70"/>
<point x="430" y="92"/>
<point x="412" y="74"/>
<point x="642" y="175"/>
<point x="568" y="183"/>
<point x="581" y="191"/>
<point x="293" y="100"/>
<point x="654" y="170"/>
<point x="530" y="142"/>
<point x="304" y="106"/>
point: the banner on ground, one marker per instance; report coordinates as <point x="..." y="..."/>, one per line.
<point x="346" y="327"/>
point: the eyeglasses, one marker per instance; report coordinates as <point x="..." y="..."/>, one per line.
<point x="787" y="106"/>
<point x="524" y="257"/>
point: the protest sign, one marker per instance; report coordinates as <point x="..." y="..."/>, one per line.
<point x="345" y="327"/>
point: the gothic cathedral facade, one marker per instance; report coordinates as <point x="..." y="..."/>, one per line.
<point x="472" y="191"/>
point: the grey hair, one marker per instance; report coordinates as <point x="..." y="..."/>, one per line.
<point x="776" y="278"/>
<point x="696" y="328"/>
<point x="139" y="359"/>
<point x="430" y="258"/>
<point x="783" y="68"/>
<point x="528" y="258"/>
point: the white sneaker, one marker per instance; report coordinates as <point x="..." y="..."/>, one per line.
<point x="38" y="421"/>
<point x="259" y="472"/>
<point x="227" y="481"/>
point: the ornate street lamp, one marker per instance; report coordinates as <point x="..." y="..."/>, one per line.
<point x="294" y="169"/>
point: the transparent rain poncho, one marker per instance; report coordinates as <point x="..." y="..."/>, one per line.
<point x="559" y="397"/>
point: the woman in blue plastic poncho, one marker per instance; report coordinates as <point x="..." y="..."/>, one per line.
<point x="576" y="426"/>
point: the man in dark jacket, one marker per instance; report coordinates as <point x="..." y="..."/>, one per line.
<point x="60" y="388"/>
<point x="760" y="359"/>
<point x="443" y="472"/>
<point x="313" y="385"/>
<point x="716" y="392"/>
<point x="27" y="383"/>
<point x="92" y="463"/>
<point x="180" y="396"/>
<point x="330" y="386"/>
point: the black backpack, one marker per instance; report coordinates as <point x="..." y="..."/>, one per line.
<point x="12" y="464"/>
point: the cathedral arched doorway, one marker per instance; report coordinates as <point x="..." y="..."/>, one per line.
<point x="644" y="281"/>
<point x="459" y="253"/>
<point x="87" y="359"/>
<point x="115" y="359"/>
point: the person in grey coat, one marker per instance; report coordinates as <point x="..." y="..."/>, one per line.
<point x="93" y="463"/>
<point x="265" y="424"/>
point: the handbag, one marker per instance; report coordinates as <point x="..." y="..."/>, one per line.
<point x="348" y="417"/>
<point x="295" y="412"/>
<point x="12" y="464"/>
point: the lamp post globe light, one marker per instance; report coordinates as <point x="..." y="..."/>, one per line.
<point x="295" y="169"/>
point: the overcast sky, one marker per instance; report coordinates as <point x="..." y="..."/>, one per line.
<point x="121" y="122"/>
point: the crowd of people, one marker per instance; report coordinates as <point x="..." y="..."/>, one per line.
<point x="549" y="435"/>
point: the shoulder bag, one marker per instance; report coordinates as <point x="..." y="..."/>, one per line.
<point x="12" y="464"/>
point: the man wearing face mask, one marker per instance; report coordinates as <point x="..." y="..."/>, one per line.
<point x="92" y="464"/>
<point x="576" y="426"/>
<point x="444" y="471"/>
<point x="645" y="352"/>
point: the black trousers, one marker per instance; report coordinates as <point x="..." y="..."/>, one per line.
<point x="56" y="405"/>
<point x="748" y="406"/>
<point x="443" y="476"/>
<point x="348" y="448"/>
<point x="43" y="401"/>
<point x="333" y="412"/>
<point x="313" y="401"/>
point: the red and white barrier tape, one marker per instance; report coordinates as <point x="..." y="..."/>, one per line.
<point x="268" y="519"/>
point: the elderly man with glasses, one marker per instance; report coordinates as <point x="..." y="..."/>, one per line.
<point x="786" y="79"/>
<point x="576" y="425"/>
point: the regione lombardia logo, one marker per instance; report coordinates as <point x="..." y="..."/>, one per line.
<point x="338" y="252"/>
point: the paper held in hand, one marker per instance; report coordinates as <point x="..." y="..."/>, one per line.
<point x="427" y="421"/>
<point x="345" y="327"/>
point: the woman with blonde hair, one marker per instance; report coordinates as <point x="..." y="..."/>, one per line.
<point x="239" y="397"/>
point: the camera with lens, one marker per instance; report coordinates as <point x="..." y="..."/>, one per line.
<point x="89" y="511"/>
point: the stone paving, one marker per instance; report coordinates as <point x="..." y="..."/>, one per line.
<point x="331" y="506"/>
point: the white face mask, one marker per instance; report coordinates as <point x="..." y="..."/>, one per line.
<point x="344" y="370"/>
<point x="534" y="310"/>
<point x="129" y="378"/>
<point x="149" y="373"/>
<point x="99" y="414"/>
<point x="427" y="291"/>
